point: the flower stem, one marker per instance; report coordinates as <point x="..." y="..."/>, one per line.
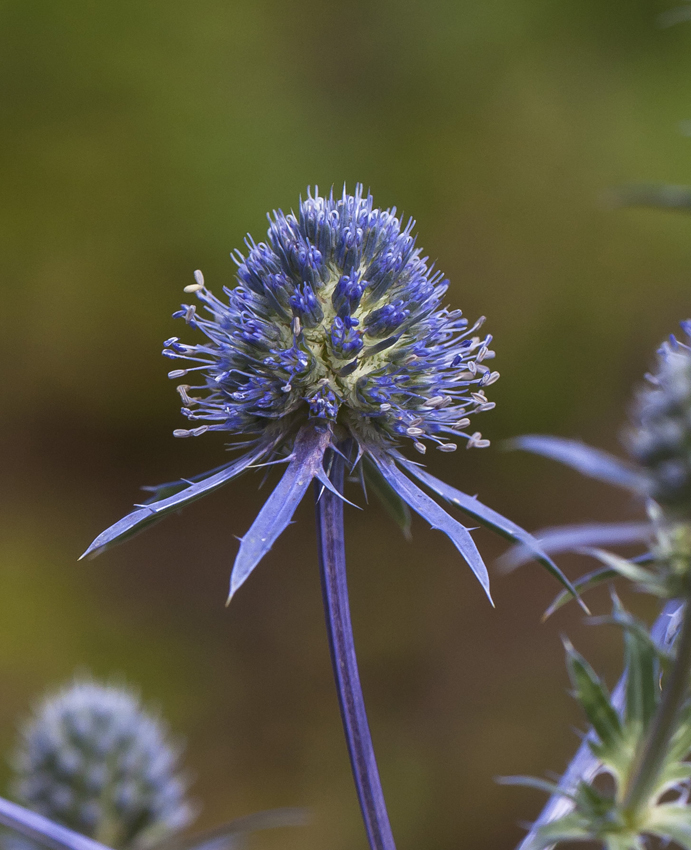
<point x="335" y="591"/>
<point x="651" y="755"/>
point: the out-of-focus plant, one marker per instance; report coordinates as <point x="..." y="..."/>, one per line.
<point x="94" y="770"/>
<point x="641" y="735"/>
<point x="91" y="758"/>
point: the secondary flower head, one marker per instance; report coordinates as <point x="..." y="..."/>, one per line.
<point x="92" y="759"/>
<point x="660" y="436"/>
<point x="337" y="317"/>
<point x="335" y="337"/>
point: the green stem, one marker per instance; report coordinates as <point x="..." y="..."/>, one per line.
<point x="651" y="755"/>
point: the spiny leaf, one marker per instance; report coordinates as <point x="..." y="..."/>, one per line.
<point x="589" y="461"/>
<point x="394" y="505"/>
<point x="586" y="582"/>
<point x="593" y="697"/>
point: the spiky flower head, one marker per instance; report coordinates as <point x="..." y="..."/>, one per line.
<point x="660" y="436"/>
<point x="335" y="338"/>
<point x="91" y="758"/>
<point x="336" y="317"/>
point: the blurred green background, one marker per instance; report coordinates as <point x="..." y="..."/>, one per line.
<point x="142" y="140"/>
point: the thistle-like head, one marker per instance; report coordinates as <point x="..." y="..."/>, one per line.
<point x="660" y="436"/>
<point x="336" y="317"/>
<point x="91" y="758"/>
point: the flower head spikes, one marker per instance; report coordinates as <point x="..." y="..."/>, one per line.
<point x="335" y="337"/>
<point x="92" y="759"/>
<point x="337" y="317"/>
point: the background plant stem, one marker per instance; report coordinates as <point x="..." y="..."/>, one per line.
<point x="337" y="609"/>
<point x="584" y="765"/>
<point x="651" y="755"/>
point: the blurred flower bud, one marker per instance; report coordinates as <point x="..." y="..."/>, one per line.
<point x="660" y="436"/>
<point x="92" y="759"/>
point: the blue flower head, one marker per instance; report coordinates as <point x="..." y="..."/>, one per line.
<point x="337" y="319"/>
<point x="335" y="337"/>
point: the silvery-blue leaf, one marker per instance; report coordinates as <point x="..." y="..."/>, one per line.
<point x="41" y="829"/>
<point x="437" y="517"/>
<point x="151" y="512"/>
<point x="392" y="502"/>
<point x="491" y="519"/>
<point x="589" y="461"/>
<point x="278" y="510"/>
<point x="567" y="538"/>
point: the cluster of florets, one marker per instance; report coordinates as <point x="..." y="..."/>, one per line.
<point x="92" y="759"/>
<point x="336" y="317"/>
<point x="660" y="439"/>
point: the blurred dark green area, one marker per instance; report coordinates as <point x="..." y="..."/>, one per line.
<point x="143" y="140"/>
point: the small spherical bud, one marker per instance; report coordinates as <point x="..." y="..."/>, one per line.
<point x="92" y="759"/>
<point x="660" y="436"/>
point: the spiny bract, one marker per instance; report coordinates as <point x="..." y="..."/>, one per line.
<point x="336" y="317"/>
<point x="92" y="759"/>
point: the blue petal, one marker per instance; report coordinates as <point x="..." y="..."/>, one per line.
<point x="153" y="511"/>
<point x="491" y="519"/>
<point x="45" y="831"/>
<point x="566" y="538"/>
<point x="437" y="517"/>
<point x="591" y="462"/>
<point x="277" y="512"/>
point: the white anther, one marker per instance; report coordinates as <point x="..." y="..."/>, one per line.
<point x="177" y="373"/>
<point x="193" y="287"/>
<point x="186" y="398"/>
<point x="482" y="353"/>
<point x="447" y="447"/>
<point x="202" y="429"/>
<point x="477" y="442"/>
<point x="479" y="397"/>
<point x="466" y="376"/>
<point x="384" y="407"/>
<point x="411" y="359"/>
<point x="189" y="315"/>
<point x="462" y="423"/>
<point x="286" y="388"/>
<point x="199" y="277"/>
<point x="421" y="447"/>
<point x="492" y="378"/>
<point x="436" y="401"/>
<point x="296" y="326"/>
<point x="472" y="367"/>
<point x="414" y="432"/>
<point x="181" y="432"/>
<point x="490" y="405"/>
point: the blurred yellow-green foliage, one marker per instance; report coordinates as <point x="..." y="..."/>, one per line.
<point x="140" y="141"/>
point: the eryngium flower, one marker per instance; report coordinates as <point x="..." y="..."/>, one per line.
<point x="93" y="760"/>
<point x="660" y="436"/>
<point x="337" y="318"/>
<point x="336" y="336"/>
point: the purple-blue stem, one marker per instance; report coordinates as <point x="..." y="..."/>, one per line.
<point x="335" y="590"/>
